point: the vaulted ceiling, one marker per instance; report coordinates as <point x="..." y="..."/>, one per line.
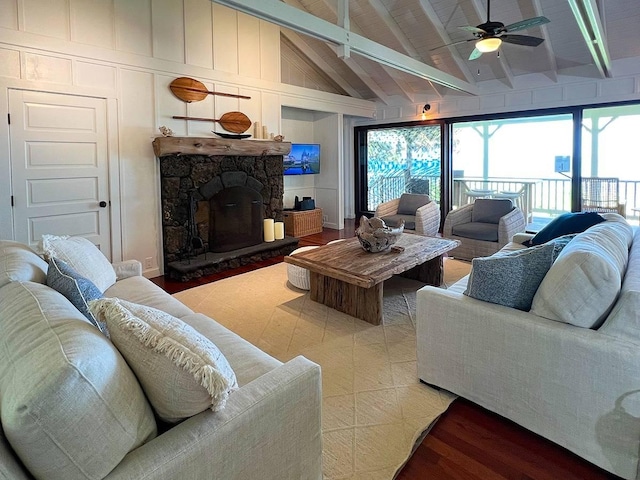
<point x="584" y="38"/>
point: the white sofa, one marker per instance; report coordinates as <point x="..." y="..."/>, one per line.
<point x="270" y="427"/>
<point x="574" y="379"/>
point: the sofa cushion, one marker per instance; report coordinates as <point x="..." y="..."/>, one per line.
<point x="18" y="263"/>
<point x="490" y="210"/>
<point x="10" y="466"/>
<point x="71" y="407"/>
<point x="81" y="255"/>
<point x="78" y="290"/>
<point x="142" y="290"/>
<point x="181" y="371"/>
<point x="395" y="221"/>
<point x="510" y="279"/>
<point x="477" y="230"/>
<point x="584" y="281"/>
<point x="565" y="224"/>
<point x="410" y="202"/>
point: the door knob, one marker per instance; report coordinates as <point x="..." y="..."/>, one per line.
<point x="102" y="204"/>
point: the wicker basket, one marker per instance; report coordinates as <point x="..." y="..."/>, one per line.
<point x="301" y="223"/>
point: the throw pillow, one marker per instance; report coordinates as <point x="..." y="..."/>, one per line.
<point x="565" y="224"/>
<point x="71" y="406"/>
<point x="76" y="288"/>
<point x="559" y="244"/>
<point x="18" y="263"/>
<point x="584" y="282"/>
<point x="181" y="371"/>
<point x="410" y="202"/>
<point x="511" y="279"/>
<point x="81" y="255"/>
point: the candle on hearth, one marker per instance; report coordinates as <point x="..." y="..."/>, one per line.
<point x="278" y="228"/>
<point x="267" y="225"/>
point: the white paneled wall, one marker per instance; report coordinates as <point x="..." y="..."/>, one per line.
<point x="529" y="93"/>
<point x="139" y="170"/>
<point x="132" y="25"/>
<point x="128" y="52"/>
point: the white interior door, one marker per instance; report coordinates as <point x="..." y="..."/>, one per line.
<point x="59" y="167"/>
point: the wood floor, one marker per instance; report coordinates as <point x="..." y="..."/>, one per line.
<point x="467" y="442"/>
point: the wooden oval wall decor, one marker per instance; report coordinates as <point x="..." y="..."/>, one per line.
<point x="236" y="122"/>
<point x="191" y="90"/>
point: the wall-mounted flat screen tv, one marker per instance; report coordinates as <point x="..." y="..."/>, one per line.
<point x="303" y="159"/>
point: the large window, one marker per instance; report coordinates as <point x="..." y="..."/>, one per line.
<point x="611" y="158"/>
<point x="547" y="162"/>
<point x="399" y="160"/>
<point x="524" y="159"/>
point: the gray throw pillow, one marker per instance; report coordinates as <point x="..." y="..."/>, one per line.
<point x="511" y="279"/>
<point x="78" y="290"/>
<point x="490" y="210"/>
<point x="559" y="244"/>
<point x="410" y="202"/>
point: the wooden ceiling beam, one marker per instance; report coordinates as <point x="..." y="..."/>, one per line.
<point x="279" y="13"/>
<point x="301" y="44"/>
<point x="587" y="16"/>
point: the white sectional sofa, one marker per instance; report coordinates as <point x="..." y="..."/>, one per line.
<point x="71" y="407"/>
<point x="567" y="369"/>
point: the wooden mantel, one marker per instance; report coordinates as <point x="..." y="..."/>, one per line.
<point x="163" y="146"/>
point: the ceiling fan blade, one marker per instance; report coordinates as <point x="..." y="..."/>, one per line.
<point x="525" y="40"/>
<point x="475" y="54"/>
<point x="454" y="43"/>
<point x="528" y="23"/>
<point x="469" y="28"/>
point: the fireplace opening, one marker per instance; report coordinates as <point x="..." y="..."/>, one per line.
<point x="235" y="219"/>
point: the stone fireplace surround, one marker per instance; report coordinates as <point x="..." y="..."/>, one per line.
<point x="188" y="175"/>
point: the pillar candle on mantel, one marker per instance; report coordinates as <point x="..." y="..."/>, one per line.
<point x="278" y="229"/>
<point x="267" y="225"/>
<point x="265" y="132"/>
<point x="258" y="130"/>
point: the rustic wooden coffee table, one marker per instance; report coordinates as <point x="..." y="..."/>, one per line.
<point x="346" y="277"/>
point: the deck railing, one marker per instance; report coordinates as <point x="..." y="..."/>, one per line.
<point x="548" y="197"/>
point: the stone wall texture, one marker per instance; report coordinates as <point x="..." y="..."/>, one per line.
<point x="182" y="176"/>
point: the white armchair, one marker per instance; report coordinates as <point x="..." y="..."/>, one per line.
<point x="421" y="215"/>
<point x="485" y="230"/>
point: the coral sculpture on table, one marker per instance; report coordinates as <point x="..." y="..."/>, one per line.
<point x="375" y="236"/>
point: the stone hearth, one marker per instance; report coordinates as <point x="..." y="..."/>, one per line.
<point x="188" y="182"/>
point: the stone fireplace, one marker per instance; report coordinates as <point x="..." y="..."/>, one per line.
<point x="213" y="206"/>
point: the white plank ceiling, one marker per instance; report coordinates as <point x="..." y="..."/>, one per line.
<point x="422" y="29"/>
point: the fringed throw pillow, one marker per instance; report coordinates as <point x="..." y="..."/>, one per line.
<point x="181" y="371"/>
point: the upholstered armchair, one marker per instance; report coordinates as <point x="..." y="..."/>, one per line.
<point x="483" y="227"/>
<point x="421" y="215"/>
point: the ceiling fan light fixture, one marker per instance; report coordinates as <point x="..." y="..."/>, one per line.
<point x="487" y="45"/>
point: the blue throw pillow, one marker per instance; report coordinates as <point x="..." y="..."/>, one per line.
<point x="78" y="290"/>
<point x="565" y="224"/>
<point x="510" y="279"/>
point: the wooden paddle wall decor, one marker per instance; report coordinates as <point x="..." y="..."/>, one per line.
<point x="236" y="122"/>
<point x="191" y="90"/>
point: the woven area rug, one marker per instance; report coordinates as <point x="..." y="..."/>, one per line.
<point x="374" y="408"/>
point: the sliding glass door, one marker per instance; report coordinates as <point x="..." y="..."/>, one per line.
<point x="547" y="162"/>
<point x="398" y="160"/>
<point x="527" y="160"/>
<point x="610" y="159"/>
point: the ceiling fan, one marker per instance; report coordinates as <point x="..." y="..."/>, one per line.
<point x="490" y="35"/>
